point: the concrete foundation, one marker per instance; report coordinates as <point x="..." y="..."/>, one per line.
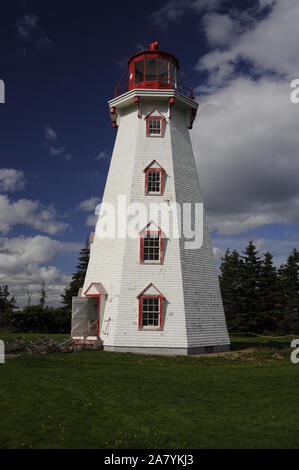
<point x="170" y="351"/>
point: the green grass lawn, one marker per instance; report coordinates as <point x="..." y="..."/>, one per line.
<point x="247" y="398"/>
<point x="8" y="335"/>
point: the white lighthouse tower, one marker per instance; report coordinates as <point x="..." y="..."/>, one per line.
<point x="156" y="292"/>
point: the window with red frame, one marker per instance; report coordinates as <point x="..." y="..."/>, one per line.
<point x="150" y="312"/>
<point x="154" y="181"/>
<point x="155" y="126"/>
<point x="151" y="247"/>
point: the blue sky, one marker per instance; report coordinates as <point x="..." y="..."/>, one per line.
<point x="60" y="62"/>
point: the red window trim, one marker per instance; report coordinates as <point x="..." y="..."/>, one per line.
<point x="155" y="170"/>
<point x="152" y="118"/>
<point x="146" y="232"/>
<point x="161" y="325"/>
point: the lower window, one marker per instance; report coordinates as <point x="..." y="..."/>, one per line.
<point x="150" y="312"/>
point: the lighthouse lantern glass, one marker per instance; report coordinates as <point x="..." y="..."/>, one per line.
<point x="139" y="71"/>
<point x="151" y="70"/>
<point x="154" y="71"/>
<point x="163" y="73"/>
<point x="173" y="72"/>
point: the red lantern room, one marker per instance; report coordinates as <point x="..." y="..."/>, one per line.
<point x="153" y="69"/>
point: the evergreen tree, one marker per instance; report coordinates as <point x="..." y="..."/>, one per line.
<point x="7" y="305"/>
<point x="289" y="281"/>
<point x="78" y="277"/>
<point x="230" y="284"/>
<point x="43" y="296"/>
<point x="250" y="291"/>
<point x="270" y="297"/>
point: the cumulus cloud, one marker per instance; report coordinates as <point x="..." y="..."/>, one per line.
<point x="89" y="205"/>
<point x="246" y="144"/>
<point x="246" y="137"/>
<point x="23" y="267"/>
<point x="91" y="220"/>
<point x="11" y="180"/>
<point x="20" y="252"/>
<point x="269" y="46"/>
<point x="30" y="213"/>
<point x="220" y="29"/>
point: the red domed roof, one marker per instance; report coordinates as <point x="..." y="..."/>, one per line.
<point x="153" y="50"/>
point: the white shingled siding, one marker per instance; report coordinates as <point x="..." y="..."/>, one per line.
<point x="193" y="312"/>
<point x="205" y="318"/>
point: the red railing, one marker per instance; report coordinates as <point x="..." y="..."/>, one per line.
<point x="181" y="84"/>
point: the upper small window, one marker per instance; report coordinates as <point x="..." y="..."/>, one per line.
<point x="155" y="126"/>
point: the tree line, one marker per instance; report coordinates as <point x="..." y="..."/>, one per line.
<point x="257" y="297"/>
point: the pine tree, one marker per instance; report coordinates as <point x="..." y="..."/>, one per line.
<point x="230" y="284"/>
<point x="78" y="277"/>
<point x="7" y="305"/>
<point x="250" y="290"/>
<point x="270" y="297"/>
<point x="43" y="296"/>
<point x="289" y="280"/>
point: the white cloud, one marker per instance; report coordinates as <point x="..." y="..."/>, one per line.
<point x="246" y="137"/>
<point x="174" y="10"/>
<point x="30" y="213"/>
<point x="11" y="180"/>
<point x="51" y="140"/>
<point x="91" y="220"/>
<point x="270" y="45"/>
<point x="219" y="29"/>
<point x="56" y="150"/>
<point x="246" y="145"/>
<point x="89" y="205"/>
<point x="22" y="268"/>
<point x="103" y="155"/>
<point x="49" y="133"/>
<point x="20" y="252"/>
<point x="218" y="254"/>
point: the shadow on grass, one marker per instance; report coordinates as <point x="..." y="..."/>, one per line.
<point x="245" y="342"/>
